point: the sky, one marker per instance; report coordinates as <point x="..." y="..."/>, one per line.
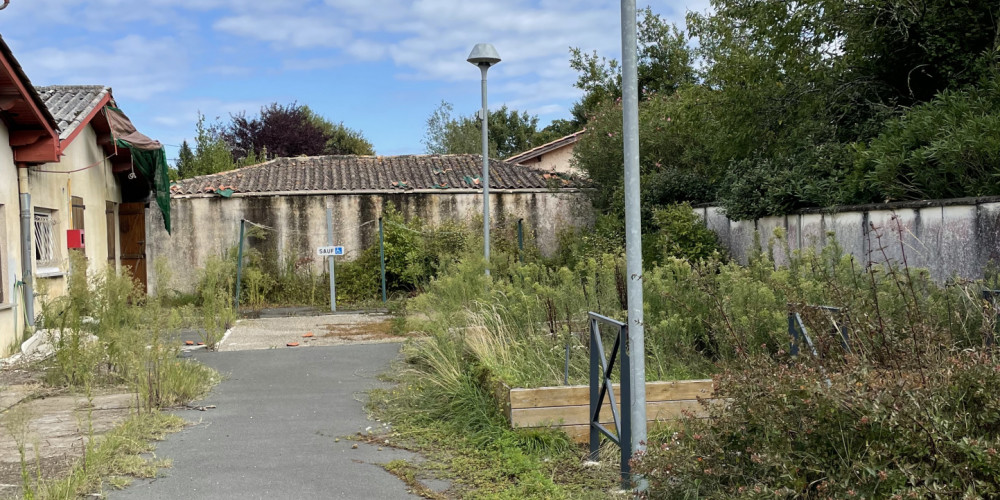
<point x="378" y="66"/>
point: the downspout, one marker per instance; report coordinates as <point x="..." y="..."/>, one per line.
<point x="26" y="258"/>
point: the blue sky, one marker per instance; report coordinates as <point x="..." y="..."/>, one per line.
<point x="379" y="66"/>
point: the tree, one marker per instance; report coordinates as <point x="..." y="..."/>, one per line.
<point x="665" y="63"/>
<point x="211" y="153"/>
<point x="279" y="131"/>
<point x="340" y="140"/>
<point x="510" y="132"/>
<point x="555" y="130"/>
<point x="185" y="161"/>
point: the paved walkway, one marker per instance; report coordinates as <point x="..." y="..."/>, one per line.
<point x="272" y="433"/>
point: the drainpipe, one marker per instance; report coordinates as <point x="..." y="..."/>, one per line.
<point x="26" y="258"/>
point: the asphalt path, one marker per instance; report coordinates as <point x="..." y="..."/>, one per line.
<point x="275" y="427"/>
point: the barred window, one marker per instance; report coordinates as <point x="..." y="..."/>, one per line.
<point x="45" y="248"/>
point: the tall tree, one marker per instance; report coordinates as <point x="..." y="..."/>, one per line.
<point x="185" y="161"/>
<point x="510" y="132"/>
<point x="211" y="153"/>
<point x="665" y="65"/>
<point x="340" y="140"/>
<point x="277" y="132"/>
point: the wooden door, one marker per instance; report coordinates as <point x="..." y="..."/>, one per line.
<point x="132" y="236"/>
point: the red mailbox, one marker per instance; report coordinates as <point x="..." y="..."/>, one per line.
<point x="74" y="238"/>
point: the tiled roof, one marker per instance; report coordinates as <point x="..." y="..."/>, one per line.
<point x="547" y="147"/>
<point x="371" y="173"/>
<point x="71" y="104"/>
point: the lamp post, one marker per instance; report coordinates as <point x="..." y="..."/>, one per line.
<point x="484" y="56"/>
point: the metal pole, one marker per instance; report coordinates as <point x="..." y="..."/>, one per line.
<point x="595" y="391"/>
<point x="239" y="264"/>
<point x="566" y="373"/>
<point x="381" y="255"/>
<point x="520" y="239"/>
<point x="27" y="248"/>
<point x="633" y="233"/>
<point x="486" y="173"/>
<point x="329" y="241"/>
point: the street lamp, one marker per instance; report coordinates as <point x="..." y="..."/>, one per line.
<point x="484" y="56"/>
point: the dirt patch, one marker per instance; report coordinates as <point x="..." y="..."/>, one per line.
<point x="52" y="427"/>
<point x="374" y="331"/>
<point x="323" y="330"/>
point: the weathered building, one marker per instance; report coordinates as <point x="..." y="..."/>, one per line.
<point x="70" y="161"/>
<point x="555" y="156"/>
<point x="290" y="196"/>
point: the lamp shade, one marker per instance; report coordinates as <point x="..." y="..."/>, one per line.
<point x="484" y="53"/>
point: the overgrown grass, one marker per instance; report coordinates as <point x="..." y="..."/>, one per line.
<point x="106" y="333"/>
<point x="112" y="459"/>
<point x="918" y="350"/>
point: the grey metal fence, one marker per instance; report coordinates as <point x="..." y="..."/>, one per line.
<point x="600" y="386"/>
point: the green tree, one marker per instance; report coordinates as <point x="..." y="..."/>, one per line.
<point x="555" y="130"/>
<point x="185" y="161"/>
<point x="340" y="139"/>
<point x="211" y="153"/>
<point x="510" y="132"/>
<point x="665" y="64"/>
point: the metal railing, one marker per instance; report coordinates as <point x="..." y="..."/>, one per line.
<point x="600" y="386"/>
<point x="797" y="330"/>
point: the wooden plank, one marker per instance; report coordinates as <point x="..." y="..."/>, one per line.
<point x="579" y="414"/>
<point x="573" y="395"/>
<point x="581" y="433"/>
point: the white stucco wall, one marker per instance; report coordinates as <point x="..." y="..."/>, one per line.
<point x="948" y="237"/>
<point x="11" y="313"/>
<point x="206" y="227"/>
<point x="558" y="160"/>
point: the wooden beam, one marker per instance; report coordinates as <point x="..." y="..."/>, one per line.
<point x="121" y="163"/>
<point x="580" y="394"/>
<point x="8" y="102"/>
<point x="20" y="138"/>
<point x="580" y="415"/>
<point x="46" y="151"/>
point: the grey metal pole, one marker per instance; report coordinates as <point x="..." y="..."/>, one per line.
<point x="486" y="173"/>
<point x="239" y="266"/>
<point x="329" y="241"/>
<point x="633" y="232"/>
<point x="27" y="257"/>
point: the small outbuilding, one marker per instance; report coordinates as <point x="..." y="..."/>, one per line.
<point x="290" y="196"/>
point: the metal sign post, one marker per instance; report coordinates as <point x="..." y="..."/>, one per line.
<point x="329" y="241"/>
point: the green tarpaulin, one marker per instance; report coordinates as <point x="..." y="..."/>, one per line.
<point x="147" y="155"/>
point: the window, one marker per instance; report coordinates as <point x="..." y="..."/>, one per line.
<point x="46" y="257"/>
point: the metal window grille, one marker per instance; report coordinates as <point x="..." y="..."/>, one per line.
<point x="44" y="246"/>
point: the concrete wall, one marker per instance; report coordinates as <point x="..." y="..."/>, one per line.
<point x="11" y="306"/>
<point x="949" y="237"/>
<point x="54" y="191"/>
<point x="207" y="226"/>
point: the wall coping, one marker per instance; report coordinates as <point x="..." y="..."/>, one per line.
<point x="871" y="207"/>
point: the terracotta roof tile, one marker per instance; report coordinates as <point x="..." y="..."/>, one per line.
<point x="372" y="173"/>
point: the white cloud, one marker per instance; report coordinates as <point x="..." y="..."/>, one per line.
<point x="142" y="67"/>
